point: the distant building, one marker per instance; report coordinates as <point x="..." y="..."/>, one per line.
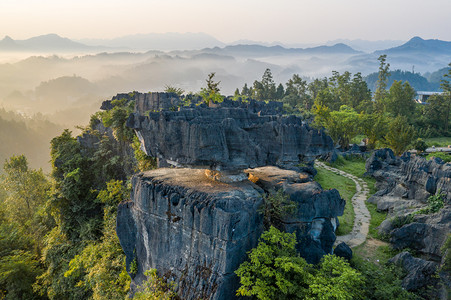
<point x="422" y="97"/>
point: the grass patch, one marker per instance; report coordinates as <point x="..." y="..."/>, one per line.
<point x="377" y="218"/>
<point x="346" y="188"/>
<point x="446" y="157"/>
<point x="441" y="141"/>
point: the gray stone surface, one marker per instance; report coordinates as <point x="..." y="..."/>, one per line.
<point x="419" y="272"/>
<point x="197" y="231"/>
<point x="230" y="136"/>
<point x="409" y="176"/>
<point x="344" y="251"/>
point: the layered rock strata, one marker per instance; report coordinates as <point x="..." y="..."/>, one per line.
<point x="227" y="138"/>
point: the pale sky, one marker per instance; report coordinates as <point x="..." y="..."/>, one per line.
<point x="286" y="21"/>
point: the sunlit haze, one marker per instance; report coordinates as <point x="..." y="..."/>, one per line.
<point x="287" y="21"/>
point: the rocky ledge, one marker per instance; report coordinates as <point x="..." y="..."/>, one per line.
<point x="196" y="231"/>
<point x="232" y="135"/>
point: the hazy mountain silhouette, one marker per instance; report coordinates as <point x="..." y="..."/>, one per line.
<point x="159" y="41"/>
<point x="417" y="45"/>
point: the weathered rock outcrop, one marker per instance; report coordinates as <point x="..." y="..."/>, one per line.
<point x="419" y="271"/>
<point x="196" y="231"/>
<point x="230" y="136"/>
<point x="409" y="176"/>
<point x="404" y="185"/>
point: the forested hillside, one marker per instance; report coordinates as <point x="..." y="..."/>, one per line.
<point x="27" y="135"/>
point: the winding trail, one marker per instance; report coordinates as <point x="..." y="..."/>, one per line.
<point x="360" y="229"/>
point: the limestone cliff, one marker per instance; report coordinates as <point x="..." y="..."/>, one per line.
<point x="195" y="223"/>
<point x="196" y="232"/>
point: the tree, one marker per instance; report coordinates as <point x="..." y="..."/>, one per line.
<point x="265" y="89"/>
<point x="280" y="92"/>
<point x="155" y="288"/>
<point x="446" y="87"/>
<point x="400" y="100"/>
<point x="26" y="189"/>
<point x="276" y="206"/>
<point x="375" y="127"/>
<point x="173" y="90"/>
<point x="335" y="279"/>
<point x="211" y="92"/>
<point x="316" y="86"/>
<point x="101" y="266"/>
<point x="297" y="93"/>
<point x="341" y="125"/>
<point x="274" y="270"/>
<point x="400" y="135"/>
<point x="381" y="85"/>
<point x="420" y="145"/>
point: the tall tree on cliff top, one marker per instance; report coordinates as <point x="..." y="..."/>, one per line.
<point x="381" y="86"/>
<point x="446" y="87"/>
<point x="211" y="92"/>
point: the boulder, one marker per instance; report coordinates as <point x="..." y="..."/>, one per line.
<point x="343" y="250"/>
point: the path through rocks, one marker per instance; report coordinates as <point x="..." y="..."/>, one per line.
<point x="360" y="229"/>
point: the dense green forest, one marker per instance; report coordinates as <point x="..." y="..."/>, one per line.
<point x="57" y="232"/>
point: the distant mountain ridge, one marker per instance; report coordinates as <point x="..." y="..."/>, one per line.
<point x="419" y="45"/>
<point x="44" y="43"/>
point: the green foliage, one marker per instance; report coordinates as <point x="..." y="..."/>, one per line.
<point x="341" y="125"/>
<point x="381" y="87"/>
<point x="381" y="282"/>
<point x="266" y="88"/>
<point x="400" y="100"/>
<point x="446" y="157"/>
<point x="420" y="145"/>
<point x="276" y="206"/>
<point x="436" y="202"/>
<point x="211" y="92"/>
<point x="145" y="162"/>
<point x="400" y="135"/>
<point x="116" y="118"/>
<point x="23" y="225"/>
<point x="100" y="266"/>
<point x="18" y="272"/>
<point x="173" y="90"/>
<point x="446" y="251"/>
<point x="276" y="271"/>
<point x="374" y="126"/>
<point x="346" y="188"/>
<point x="335" y="279"/>
<point x="155" y="288"/>
<point x="377" y="217"/>
<point x="134" y="265"/>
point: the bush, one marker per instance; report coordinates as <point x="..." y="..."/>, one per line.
<point x="276" y="271"/>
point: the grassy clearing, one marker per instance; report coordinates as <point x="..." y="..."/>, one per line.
<point x="346" y="188"/>
<point x="442" y="141"/>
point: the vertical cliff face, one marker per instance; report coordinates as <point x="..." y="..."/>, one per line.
<point x="192" y="230"/>
<point x="196" y="230"/>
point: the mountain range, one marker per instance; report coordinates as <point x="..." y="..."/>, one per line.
<point x="197" y="41"/>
